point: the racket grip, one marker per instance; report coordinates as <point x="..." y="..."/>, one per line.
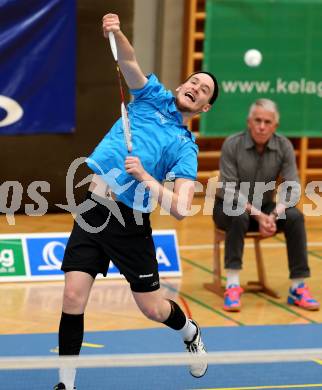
<point x="111" y="38"/>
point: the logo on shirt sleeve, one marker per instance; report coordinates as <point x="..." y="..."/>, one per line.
<point x="183" y="138"/>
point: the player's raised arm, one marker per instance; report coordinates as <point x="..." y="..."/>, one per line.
<point x="128" y="64"/>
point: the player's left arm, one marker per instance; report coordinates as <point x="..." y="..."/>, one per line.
<point x="178" y="202"/>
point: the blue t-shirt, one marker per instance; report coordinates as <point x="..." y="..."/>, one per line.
<point x="166" y="148"/>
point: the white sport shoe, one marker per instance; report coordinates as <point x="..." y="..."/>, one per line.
<point x="196" y="347"/>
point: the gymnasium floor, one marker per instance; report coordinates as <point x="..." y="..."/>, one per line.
<point x="239" y="376"/>
<point x="30" y="317"/>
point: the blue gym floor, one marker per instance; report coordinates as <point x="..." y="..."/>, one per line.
<point x="306" y="375"/>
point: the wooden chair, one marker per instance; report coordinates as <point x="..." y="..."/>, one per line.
<point x="259" y="285"/>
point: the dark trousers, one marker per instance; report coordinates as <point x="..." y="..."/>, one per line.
<point x="236" y="228"/>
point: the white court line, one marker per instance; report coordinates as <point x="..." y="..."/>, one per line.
<point x="263" y="245"/>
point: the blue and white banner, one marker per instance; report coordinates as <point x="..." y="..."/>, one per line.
<point x="38" y="256"/>
<point x="37" y="66"/>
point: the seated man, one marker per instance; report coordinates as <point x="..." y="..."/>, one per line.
<point x="250" y="164"/>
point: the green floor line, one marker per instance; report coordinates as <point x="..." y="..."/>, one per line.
<point x="202" y="304"/>
<point x="287" y="308"/>
<point x="314" y="254"/>
<point x="310" y="252"/>
<point x="196" y="265"/>
<point x="277" y="238"/>
<point x="271" y="301"/>
<point x="312" y="229"/>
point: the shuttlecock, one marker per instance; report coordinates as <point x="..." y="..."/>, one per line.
<point x="253" y="57"/>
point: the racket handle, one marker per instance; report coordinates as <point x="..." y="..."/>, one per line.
<point x="111" y="38"/>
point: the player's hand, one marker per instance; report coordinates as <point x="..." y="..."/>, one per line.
<point x="134" y="167"/>
<point x="267" y="225"/>
<point x="110" y="22"/>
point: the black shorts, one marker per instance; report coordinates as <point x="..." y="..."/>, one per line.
<point x="129" y="247"/>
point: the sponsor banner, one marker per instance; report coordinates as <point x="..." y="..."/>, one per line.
<point x="287" y="69"/>
<point x="167" y="252"/>
<point x="38" y="66"/>
<point x="45" y="255"/>
<point x="32" y="257"/>
<point x="12" y="259"/>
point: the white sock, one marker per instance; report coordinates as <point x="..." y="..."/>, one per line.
<point x="188" y="332"/>
<point x="296" y="283"/>
<point x="232" y="277"/>
<point x="67" y="377"/>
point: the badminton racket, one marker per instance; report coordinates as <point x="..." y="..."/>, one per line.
<point x="125" y="117"/>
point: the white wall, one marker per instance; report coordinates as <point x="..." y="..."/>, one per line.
<point x="145" y="33"/>
<point x="157" y="38"/>
<point x="171" y="42"/>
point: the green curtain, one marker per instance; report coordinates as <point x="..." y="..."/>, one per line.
<point x="289" y="36"/>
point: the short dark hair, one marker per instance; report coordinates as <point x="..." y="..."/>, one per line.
<point x="216" y="89"/>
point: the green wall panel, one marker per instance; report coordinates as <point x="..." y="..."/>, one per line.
<point x="289" y="36"/>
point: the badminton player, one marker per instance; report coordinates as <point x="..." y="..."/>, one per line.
<point x="163" y="147"/>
